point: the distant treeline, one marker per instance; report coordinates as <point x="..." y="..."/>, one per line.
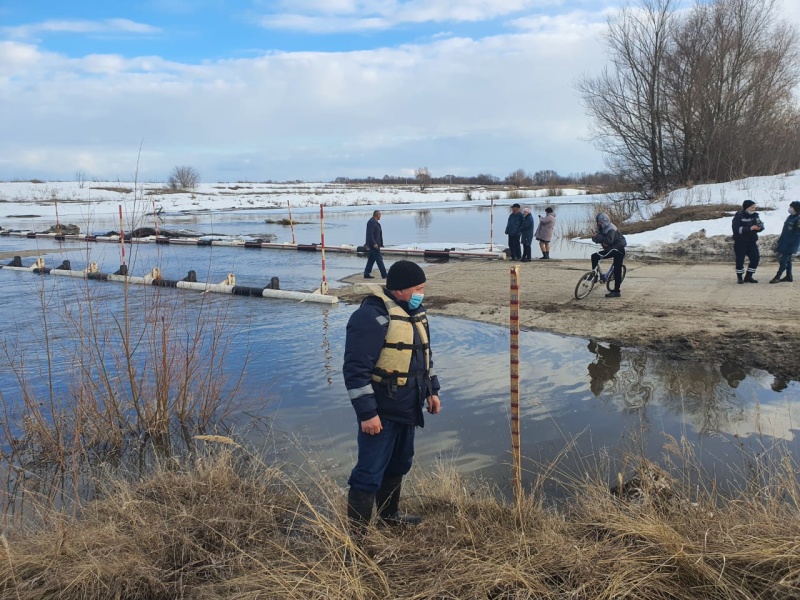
<point x="518" y="178"/>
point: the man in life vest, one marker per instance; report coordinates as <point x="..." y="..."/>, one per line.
<point x="388" y="372"/>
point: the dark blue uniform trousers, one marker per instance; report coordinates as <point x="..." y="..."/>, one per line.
<point x="388" y="454"/>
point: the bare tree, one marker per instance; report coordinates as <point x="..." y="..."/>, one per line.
<point x="423" y="177"/>
<point x="183" y="178"/>
<point x="518" y="178"/>
<point x="545" y="177"/>
<point x="80" y="177"/>
<point x="625" y="101"/>
<point x="704" y="96"/>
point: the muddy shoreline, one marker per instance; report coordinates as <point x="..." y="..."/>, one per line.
<point x="684" y="310"/>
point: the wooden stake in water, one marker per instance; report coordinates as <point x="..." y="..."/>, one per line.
<point x="291" y="223"/>
<point x="514" y="347"/>
<point x="323" y="288"/>
<point x="121" y="235"/>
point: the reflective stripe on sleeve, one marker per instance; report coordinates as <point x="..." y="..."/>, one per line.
<point x="362" y="391"/>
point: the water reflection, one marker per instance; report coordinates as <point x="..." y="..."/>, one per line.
<point x="326" y="348"/>
<point x="574" y="393"/>
<point x="605" y="367"/>
<point x="423" y="219"/>
<point x="403" y="224"/>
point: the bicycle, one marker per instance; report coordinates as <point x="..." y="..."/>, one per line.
<point x="589" y="279"/>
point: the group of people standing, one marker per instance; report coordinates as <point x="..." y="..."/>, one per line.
<point x="746" y="225"/>
<point x="519" y="229"/>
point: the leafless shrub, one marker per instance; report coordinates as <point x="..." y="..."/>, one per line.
<point x="183" y="178"/>
<point x="519" y="178"/>
<point x="423" y="177"/>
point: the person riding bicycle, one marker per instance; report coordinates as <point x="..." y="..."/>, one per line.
<point x="613" y="243"/>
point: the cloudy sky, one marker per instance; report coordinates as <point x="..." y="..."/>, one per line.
<point x="253" y="90"/>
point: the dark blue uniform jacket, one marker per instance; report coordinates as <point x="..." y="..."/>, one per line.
<point x="366" y="332"/>
<point x="789" y="241"/>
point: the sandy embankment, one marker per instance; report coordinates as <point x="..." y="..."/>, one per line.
<point x="686" y="311"/>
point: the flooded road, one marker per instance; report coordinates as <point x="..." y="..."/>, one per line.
<point x="581" y="400"/>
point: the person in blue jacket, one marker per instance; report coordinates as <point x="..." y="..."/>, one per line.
<point x="513" y="231"/>
<point x="746" y="224"/>
<point x="788" y="243"/>
<point x="389" y="376"/>
<point x="374" y="244"/>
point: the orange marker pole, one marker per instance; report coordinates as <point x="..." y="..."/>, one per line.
<point x="491" y="223"/>
<point x="291" y="223"/>
<point x="58" y="225"/>
<point x="121" y="235"/>
<point x="514" y="347"/>
<point x="155" y="218"/>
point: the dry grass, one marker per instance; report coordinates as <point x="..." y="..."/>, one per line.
<point x="679" y="215"/>
<point x="113" y="377"/>
<point x="620" y="212"/>
<point x="233" y="528"/>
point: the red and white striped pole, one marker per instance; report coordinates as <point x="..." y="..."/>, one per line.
<point x="155" y="218"/>
<point x="58" y="225"/>
<point x="323" y="288"/>
<point x="514" y="348"/>
<point x="121" y="235"/>
<point x="491" y="223"/>
<point x="291" y="223"/>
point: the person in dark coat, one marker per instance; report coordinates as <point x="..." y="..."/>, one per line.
<point x="746" y="224"/>
<point x="513" y="230"/>
<point x="389" y="375"/>
<point x="544" y="231"/>
<point x="613" y="243"/>
<point x="526" y="234"/>
<point x="374" y="243"/>
<point x="788" y="243"/>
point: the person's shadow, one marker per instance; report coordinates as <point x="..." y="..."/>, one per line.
<point x="605" y="366"/>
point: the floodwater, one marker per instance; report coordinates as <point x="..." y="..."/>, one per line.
<point x="581" y="401"/>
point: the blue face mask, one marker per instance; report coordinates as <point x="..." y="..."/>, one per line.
<point x="416" y="300"/>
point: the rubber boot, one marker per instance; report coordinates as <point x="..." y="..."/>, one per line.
<point x="388" y="498"/>
<point x="359" y="512"/>
<point x="749" y="278"/>
<point x="547" y="254"/>
<point x="739" y="278"/>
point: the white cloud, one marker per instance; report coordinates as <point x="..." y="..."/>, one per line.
<point x="456" y="105"/>
<point x="106" y="26"/>
<point x="345" y="15"/>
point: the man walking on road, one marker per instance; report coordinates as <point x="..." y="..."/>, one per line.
<point x="374" y="243"/>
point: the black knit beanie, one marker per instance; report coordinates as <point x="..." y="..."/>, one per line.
<point x="404" y="274"/>
<point x="796" y="206"/>
<point x="747" y="204"/>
